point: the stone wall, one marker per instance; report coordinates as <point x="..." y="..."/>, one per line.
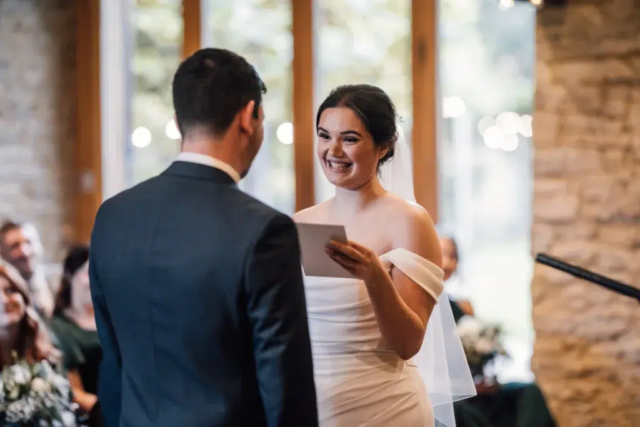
<point x="37" y="116"/>
<point x="587" y="210"/>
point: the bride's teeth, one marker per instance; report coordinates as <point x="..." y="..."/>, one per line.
<point x="337" y="165"/>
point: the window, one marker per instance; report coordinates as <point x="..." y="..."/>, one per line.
<point x="261" y="32"/>
<point x="486" y="69"/>
<point x="486" y="74"/>
<point x="156" y="41"/>
<point x="363" y="41"/>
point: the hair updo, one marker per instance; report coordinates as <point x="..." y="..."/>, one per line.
<point x="373" y="107"/>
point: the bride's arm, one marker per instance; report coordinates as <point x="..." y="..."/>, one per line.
<point x="401" y="306"/>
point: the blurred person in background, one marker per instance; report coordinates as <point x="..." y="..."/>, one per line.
<point x="503" y="405"/>
<point x="74" y="327"/>
<point x="22" y="333"/>
<point x="460" y="305"/>
<point x="20" y="247"/>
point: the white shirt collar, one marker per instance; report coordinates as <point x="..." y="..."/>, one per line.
<point x="203" y="159"/>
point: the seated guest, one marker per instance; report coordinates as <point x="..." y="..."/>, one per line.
<point x="450" y="258"/>
<point x="74" y="327"/>
<point x="22" y="333"/>
<point x="18" y="248"/>
<point x="503" y="405"/>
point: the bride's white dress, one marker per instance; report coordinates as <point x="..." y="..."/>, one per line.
<point x="359" y="380"/>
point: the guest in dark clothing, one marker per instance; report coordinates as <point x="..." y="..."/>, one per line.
<point x="503" y="405"/>
<point x="74" y="327"/>
<point x="450" y="259"/>
<point x="457" y="311"/>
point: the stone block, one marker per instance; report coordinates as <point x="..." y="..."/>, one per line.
<point x="617" y="102"/>
<point x="573" y="124"/>
<point x="579" y="161"/>
<point x="551" y="187"/>
<point x="620" y="235"/>
<point x="585" y="99"/>
<point x="549" y="162"/>
<point x="545" y="129"/>
<point x="542" y="238"/>
<point x="557" y="209"/>
<point x="634" y="117"/>
<point x="600" y="187"/>
<point x="582" y="72"/>
<point x="581" y="230"/>
<point x="575" y="251"/>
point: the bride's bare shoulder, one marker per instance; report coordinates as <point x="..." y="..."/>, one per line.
<point x="312" y="214"/>
<point x="407" y="211"/>
<point x="413" y="229"/>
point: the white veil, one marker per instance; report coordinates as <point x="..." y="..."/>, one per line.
<point x="441" y="360"/>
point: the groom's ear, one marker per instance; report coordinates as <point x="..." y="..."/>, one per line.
<point x="246" y="118"/>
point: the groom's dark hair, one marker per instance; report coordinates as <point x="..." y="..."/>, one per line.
<point x="210" y="87"/>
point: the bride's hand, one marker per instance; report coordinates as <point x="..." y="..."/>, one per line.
<point x="358" y="260"/>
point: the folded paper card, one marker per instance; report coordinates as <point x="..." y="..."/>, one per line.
<point x="314" y="239"/>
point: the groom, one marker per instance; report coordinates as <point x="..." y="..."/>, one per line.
<point x="197" y="286"/>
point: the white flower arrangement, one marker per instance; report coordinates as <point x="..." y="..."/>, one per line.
<point x="481" y="343"/>
<point x="35" y="395"/>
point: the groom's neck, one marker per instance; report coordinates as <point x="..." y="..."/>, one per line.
<point x="221" y="149"/>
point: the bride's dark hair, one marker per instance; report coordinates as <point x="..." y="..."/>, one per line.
<point x="373" y="107"/>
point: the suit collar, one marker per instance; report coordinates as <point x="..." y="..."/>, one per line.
<point x="203" y="159"/>
<point x="199" y="171"/>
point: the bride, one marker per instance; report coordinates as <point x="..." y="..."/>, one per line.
<point x="385" y="352"/>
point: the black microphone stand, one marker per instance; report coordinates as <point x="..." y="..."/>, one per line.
<point x="589" y="276"/>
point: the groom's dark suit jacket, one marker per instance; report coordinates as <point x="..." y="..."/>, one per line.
<point x="200" y="307"/>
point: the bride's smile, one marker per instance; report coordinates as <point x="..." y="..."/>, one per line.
<point x="339" y="166"/>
